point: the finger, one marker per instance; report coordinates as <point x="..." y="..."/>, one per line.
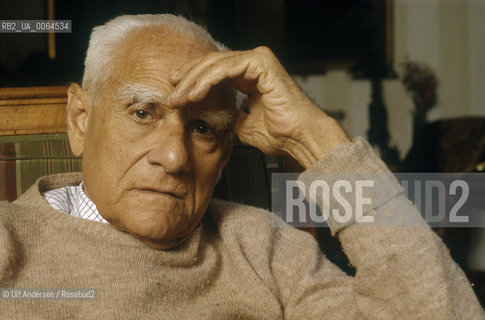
<point x="189" y="75"/>
<point x="244" y="85"/>
<point x="200" y="79"/>
<point x="221" y="70"/>
<point x="178" y="74"/>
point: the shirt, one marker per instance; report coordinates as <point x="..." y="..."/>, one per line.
<point x="72" y="200"/>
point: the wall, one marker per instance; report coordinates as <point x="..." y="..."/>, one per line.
<point x="448" y="35"/>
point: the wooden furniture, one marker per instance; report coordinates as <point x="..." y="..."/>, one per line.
<point x="36" y="110"/>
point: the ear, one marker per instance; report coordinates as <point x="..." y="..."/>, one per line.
<point x="78" y="109"/>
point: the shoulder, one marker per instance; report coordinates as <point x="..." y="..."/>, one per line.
<point x="15" y="218"/>
<point x="8" y="239"/>
<point x="5" y="212"/>
<point x="9" y="212"/>
<point x="31" y="207"/>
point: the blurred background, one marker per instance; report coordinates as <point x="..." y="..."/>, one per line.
<point x="409" y="75"/>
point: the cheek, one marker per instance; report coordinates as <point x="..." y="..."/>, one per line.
<point x="206" y="167"/>
<point x="115" y="140"/>
<point x="109" y="152"/>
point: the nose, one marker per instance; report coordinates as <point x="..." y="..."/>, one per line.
<point x="170" y="149"/>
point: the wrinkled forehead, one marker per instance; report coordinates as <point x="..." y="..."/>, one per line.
<point x="147" y="57"/>
<point x="157" y="49"/>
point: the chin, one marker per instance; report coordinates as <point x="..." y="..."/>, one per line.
<point x="161" y="240"/>
<point x="157" y="229"/>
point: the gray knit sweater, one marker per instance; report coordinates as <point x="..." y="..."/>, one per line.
<point x="241" y="262"/>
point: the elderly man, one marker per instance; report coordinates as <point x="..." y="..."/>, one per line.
<point x="153" y="123"/>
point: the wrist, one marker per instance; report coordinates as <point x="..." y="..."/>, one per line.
<point x="321" y="134"/>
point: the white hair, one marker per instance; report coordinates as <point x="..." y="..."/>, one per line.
<point x="105" y="40"/>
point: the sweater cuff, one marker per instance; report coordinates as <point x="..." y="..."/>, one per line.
<point x="346" y="169"/>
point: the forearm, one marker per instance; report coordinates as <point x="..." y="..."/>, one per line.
<point x="403" y="268"/>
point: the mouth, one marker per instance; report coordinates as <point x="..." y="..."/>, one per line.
<point x="162" y="192"/>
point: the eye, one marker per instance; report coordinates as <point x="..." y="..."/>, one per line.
<point x="141" y="114"/>
<point x="201" y="127"/>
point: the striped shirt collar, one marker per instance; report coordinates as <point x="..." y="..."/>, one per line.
<point x="72" y="200"/>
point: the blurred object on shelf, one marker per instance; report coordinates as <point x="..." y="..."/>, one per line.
<point x="421" y="83"/>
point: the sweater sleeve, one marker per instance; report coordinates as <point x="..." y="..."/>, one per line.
<point x="403" y="270"/>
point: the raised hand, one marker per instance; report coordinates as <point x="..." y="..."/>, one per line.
<point x="281" y="119"/>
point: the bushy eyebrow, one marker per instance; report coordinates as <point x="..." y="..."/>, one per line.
<point x="132" y="92"/>
<point x="137" y="92"/>
<point x="219" y="120"/>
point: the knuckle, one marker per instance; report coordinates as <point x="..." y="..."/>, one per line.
<point x="265" y="53"/>
<point x="264" y="50"/>
<point x="265" y="56"/>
